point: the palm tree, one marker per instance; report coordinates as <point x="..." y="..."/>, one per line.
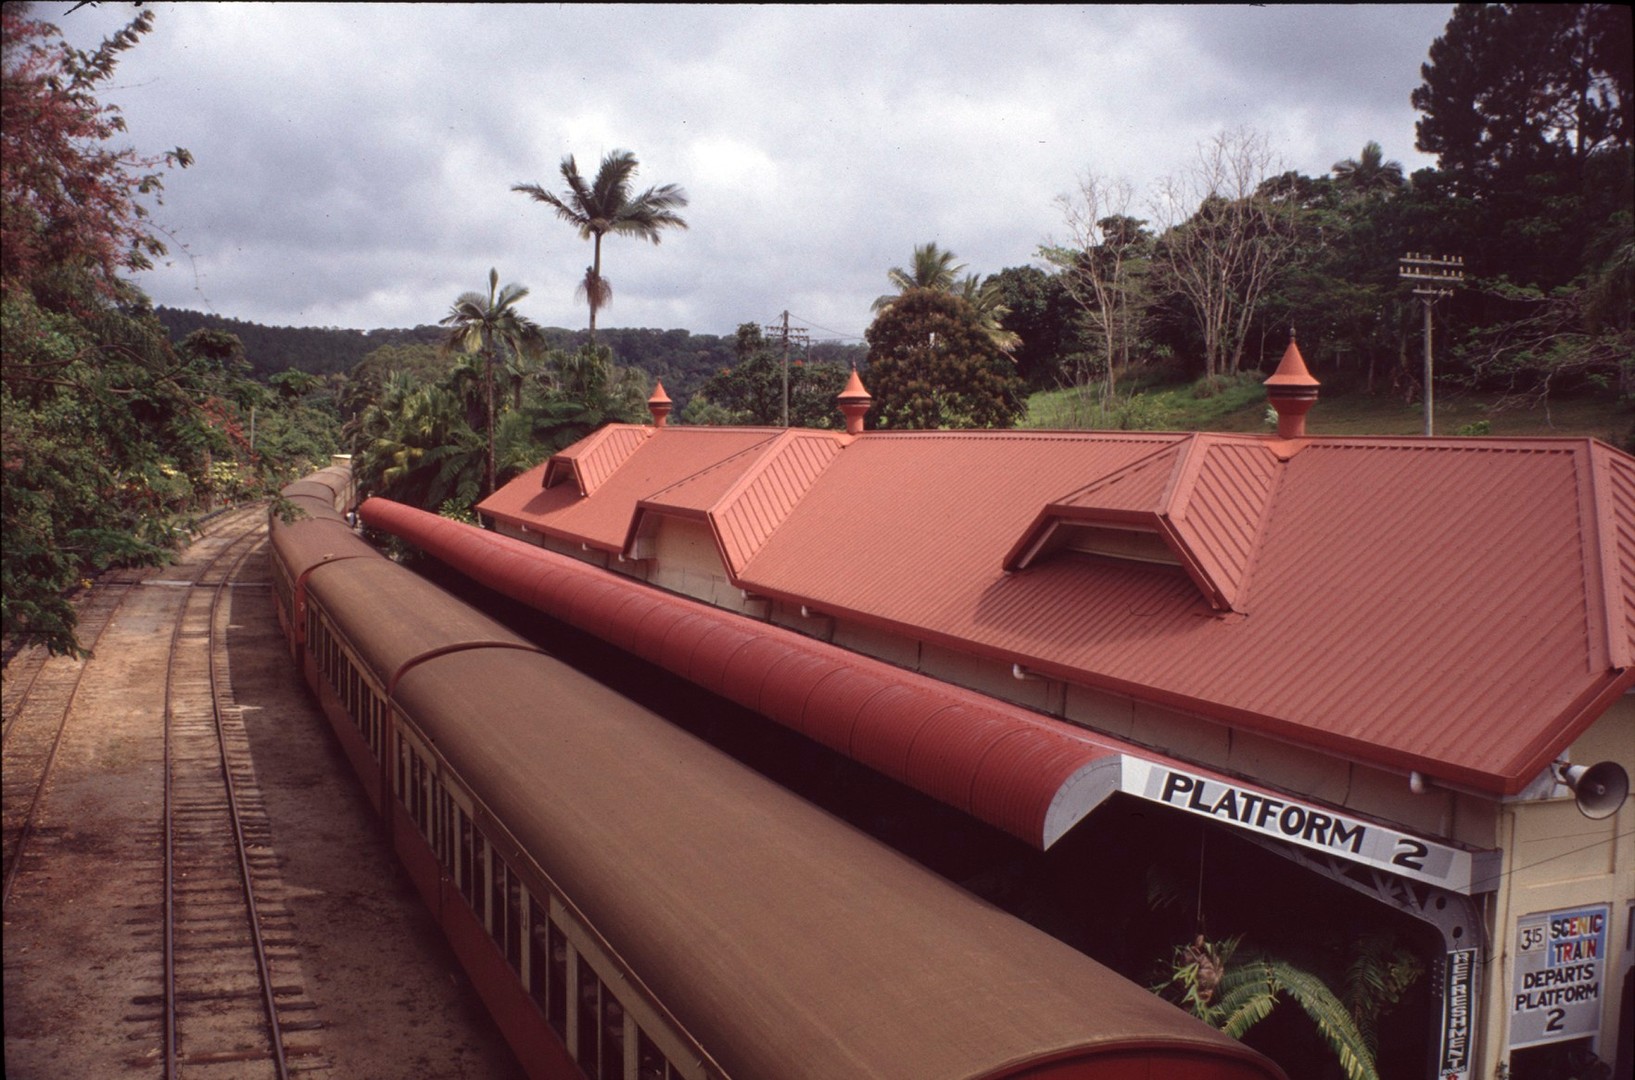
<point x="988" y="301"/>
<point x="481" y="325"/>
<point x="605" y="205"/>
<point x="1370" y="173"/>
<point x="936" y="269"/>
<point x="933" y="268"/>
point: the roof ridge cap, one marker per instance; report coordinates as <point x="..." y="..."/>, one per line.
<point x="1600" y="547"/>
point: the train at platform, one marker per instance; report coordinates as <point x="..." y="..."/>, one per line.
<point x="632" y="904"/>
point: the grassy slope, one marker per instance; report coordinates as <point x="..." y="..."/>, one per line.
<point x="1241" y="406"/>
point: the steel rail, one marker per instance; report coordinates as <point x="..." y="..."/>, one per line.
<point x="14" y="857"/>
<point x="258" y="945"/>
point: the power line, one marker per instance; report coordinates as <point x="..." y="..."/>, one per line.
<point x="835" y="335"/>
<point x="784" y="330"/>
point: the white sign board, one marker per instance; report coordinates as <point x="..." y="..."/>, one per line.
<point x="1560" y="965"/>
<point x="1306" y="824"/>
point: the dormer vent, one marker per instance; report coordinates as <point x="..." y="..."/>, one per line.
<point x="854" y="402"/>
<point x="1292" y="392"/>
<point x="659" y="405"/>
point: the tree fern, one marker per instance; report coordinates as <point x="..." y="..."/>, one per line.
<point x="1234" y="994"/>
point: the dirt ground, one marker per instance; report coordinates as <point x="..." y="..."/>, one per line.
<point x="81" y="941"/>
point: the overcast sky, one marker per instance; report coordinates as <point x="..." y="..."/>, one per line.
<point x="354" y="162"/>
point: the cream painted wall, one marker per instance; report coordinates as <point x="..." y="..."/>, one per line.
<point x="1556" y="858"/>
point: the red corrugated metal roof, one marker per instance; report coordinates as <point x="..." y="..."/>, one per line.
<point x="1463" y="607"/>
<point x="744" y="498"/>
<point x="593" y="459"/>
<point x="1205" y="497"/>
<point x="620" y="469"/>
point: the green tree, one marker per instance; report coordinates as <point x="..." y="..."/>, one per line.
<point x="607" y="205"/>
<point x="1527" y="108"/>
<point x="1042" y="315"/>
<point x="367" y="378"/>
<point x="751" y="390"/>
<point x="489" y="326"/>
<point x="109" y="436"/>
<point x="931" y="365"/>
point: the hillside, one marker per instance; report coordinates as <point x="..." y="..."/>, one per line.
<point x="679" y="357"/>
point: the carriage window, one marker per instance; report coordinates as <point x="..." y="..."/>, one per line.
<point x="590" y="1020"/>
<point x="538" y="948"/>
<point x="513" y="921"/>
<point x="556" y="979"/>
<point x="496" y="897"/>
<point x="468" y="861"/>
<point x="612" y="1037"/>
<point x="651" y="1064"/>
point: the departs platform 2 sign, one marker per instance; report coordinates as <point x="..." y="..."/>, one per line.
<point x="1561" y="967"/>
<point x="1317" y="828"/>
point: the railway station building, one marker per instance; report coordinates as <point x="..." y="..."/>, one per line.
<point x="1387" y="675"/>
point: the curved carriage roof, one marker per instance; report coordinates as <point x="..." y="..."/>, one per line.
<point x="788" y="943"/>
<point x="397" y="631"/>
<point x="314" y="540"/>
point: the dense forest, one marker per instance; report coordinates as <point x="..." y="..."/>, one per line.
<point x="683" y="360"/>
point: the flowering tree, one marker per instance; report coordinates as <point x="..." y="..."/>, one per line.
<point x="106" y="431"/>
<point x="70" y="198"/>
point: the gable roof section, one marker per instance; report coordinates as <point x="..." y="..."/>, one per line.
<point x="619" y="472"/>
<point x="1205" y="498"/>
<point x="745" y="498"/>
<point x="594" y="458"/>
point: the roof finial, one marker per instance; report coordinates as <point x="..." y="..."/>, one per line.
<point x="854" y="402"/>
<point x="659" y="405"/>
<point x="1292" y="392"/>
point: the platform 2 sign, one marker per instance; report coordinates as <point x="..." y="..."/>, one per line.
<point x="1305" y="824"/>
<point x="1561" y="967"/>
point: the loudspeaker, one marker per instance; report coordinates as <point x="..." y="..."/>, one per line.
<point x="1599" y="790"/>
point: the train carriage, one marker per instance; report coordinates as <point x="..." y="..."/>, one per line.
<point x="631" y="903"/>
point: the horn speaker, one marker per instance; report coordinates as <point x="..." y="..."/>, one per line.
<point x="1599" y="789"/>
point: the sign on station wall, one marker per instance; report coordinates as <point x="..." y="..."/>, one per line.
<point x="1560" y="975"/>
<point x="1458" y="1014"/>
<point x="1308" y="825"/>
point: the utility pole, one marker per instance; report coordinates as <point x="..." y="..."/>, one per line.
<point x="786" y="331"/>
<point x="1435" y="279"/>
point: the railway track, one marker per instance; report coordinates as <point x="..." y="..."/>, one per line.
<point x="39" y="696"/>
<point x="224" y="1009"/>
<point x="40" y="691"/>
<point x="216" y="939"/>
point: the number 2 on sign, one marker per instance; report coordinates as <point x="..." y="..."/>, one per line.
<point x="1410" y="853"/>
